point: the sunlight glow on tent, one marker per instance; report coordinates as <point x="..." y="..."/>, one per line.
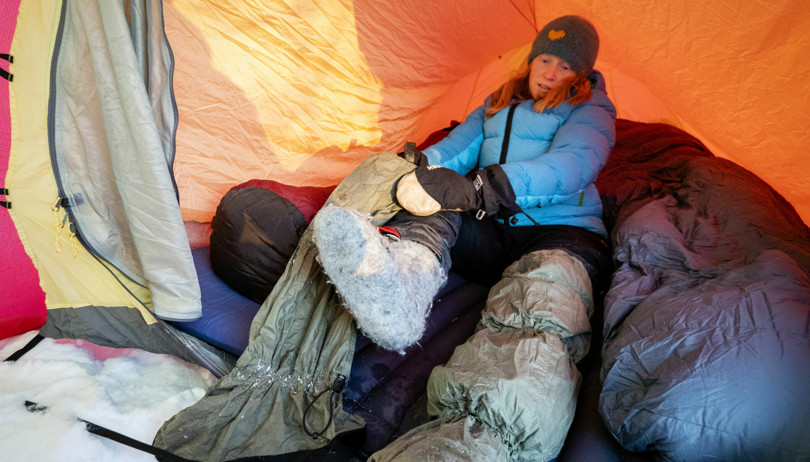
<point x="287" y="103"/>
<point x="323" y="99"/>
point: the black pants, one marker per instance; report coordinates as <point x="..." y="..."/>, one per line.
<point x="480" y="250"/>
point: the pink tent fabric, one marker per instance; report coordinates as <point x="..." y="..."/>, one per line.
<point x="23" y="306"/>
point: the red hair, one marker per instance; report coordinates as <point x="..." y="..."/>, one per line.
<point x="516" y="90"/>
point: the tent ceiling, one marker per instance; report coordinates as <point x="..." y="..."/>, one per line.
<point x="301" y="91"/>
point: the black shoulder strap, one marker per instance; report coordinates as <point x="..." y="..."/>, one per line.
<point x="507" y="133"/>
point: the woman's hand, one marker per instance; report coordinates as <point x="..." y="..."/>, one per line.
<point x="430" y="189"/>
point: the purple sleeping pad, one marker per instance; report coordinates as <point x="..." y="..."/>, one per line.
<point x="384" y="386"/>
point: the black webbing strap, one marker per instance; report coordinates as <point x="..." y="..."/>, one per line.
<point x="4" y="73"/>
<point x="160" y="454"/>
<point x="31" y="406"/>
<point x="507" y="133"/>
<point x="28" y="347"/>
<point x="6" y="204"/>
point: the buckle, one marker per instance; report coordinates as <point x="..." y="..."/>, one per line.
<point x="480" y="214"/>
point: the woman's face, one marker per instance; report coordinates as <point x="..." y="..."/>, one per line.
<point x="548" y="72"/>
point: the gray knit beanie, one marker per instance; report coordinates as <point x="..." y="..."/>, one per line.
<point x="570" y="38"/>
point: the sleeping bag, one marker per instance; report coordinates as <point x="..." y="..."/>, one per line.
<point x="283" y="396"/>
<point x="255" y="231"/>
<point x="707" y="321"/>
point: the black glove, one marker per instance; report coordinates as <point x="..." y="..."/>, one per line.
<point x="495" y="191"/>
<point x="429" y="189"/>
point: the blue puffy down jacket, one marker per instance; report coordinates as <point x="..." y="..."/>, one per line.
<point x="553" y="158"/>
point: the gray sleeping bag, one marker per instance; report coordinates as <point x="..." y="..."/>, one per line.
<point x="707" y="321"/>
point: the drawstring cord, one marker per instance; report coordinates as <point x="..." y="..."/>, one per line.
<point x="334" y="392"/>
<point x="74" y="241"/>
<point x="529" y="217"/>
<point x="60" y="225"/>
<point x="513" y="219"/>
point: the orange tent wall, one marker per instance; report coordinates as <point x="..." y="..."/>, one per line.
<point x="301" y="91"/>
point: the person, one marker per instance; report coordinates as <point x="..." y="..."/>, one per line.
<point x="532" y="188"/>
<point x="508" y="198"/>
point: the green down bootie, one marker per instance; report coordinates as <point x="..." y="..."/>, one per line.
<point x="388" y="285"/>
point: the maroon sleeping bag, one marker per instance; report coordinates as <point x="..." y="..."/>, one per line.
<point x="255" y="230"/>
